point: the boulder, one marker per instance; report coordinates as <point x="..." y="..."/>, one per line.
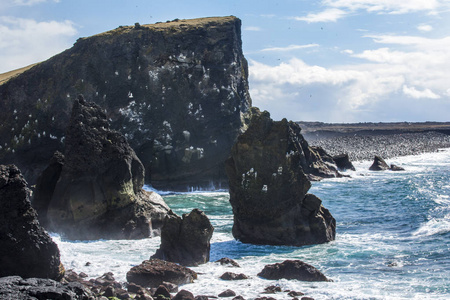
<point x="343" y="162"/>
<point x="268" y="187"/>
<point x="227" y="293"/>
<point x="153" y="272"/>
<point x="98" y="193"/>
<point x="184" y="295"/>
<point x="186" y="240"/>
<point x="396" y="168"/>
<point x="233" y="276"/>
<point x="16" y="288"/>
<point x="228" y="262"/>
<point x="26" y="248"/>
<point x="379" y="164"/>
<point x="178" y="91"/>
<point x="292" y="269"/>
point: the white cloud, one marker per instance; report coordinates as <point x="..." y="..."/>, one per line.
<point x="347" y="51"/>
<point x="289" y="48"/>
<point x="416" y="94"/>
<point x="337" y="9"/>
<point x="407" y="68"/>
<point x="26" y="41"/>
<point x="252" y="28"/>
<point x="425" y="27"/>
<point x="31" y="2"/>
<point x="329" y="15"/>
<point x="387" y="6"/>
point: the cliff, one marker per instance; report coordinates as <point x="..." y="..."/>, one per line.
<point x="178" y="91"/>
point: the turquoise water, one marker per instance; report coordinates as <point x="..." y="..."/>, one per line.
<point x="392" y="241"/>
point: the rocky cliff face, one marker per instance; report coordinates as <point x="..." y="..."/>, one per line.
<point x="178" y="91"/>
<point x="268" y="186"/>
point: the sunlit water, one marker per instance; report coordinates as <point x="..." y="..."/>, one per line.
<point x="392" y="241"/>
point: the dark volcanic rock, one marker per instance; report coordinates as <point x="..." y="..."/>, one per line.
<point x="99" y="191"/>
<point x="396" y="168"/>
<point x="343" y="162"/>
<point x="227" y="293"/>
<point x="268" y="187"/>
<point x="26" y="248"/>
<point x="186" y="240"/>
<point x="16" y="288"/>
<point x="178" y="91"/>
<point x="228" y="261"/>
<point x="184" y="295"/>
<point x="152" y="273"/>
<point x="233" y="276"/>
<point x="292" y="269"/>
<point x="379" y="164"/>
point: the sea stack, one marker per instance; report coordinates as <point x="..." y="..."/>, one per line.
<point x="268" y="187"/>
<point x="177" y="90"/>
<point x="99" y="190"/>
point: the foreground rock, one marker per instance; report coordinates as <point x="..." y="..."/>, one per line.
<point x="186" y="240"/>
<point x="292" y="269"/>
<point x="268" y="187"/>
<point x="153" y="272"/>
<point x="16" y="288"/>
<point x="99" y="190"/>
<point x="26" y="248"/>
<point x="177" y="90"/>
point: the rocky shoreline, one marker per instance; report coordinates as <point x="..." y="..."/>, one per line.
<point x="388" y="140"/>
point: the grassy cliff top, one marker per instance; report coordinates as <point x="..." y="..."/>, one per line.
<point x="169" y="26"/>
<point x="172" y="26"/>
<point x="11" y="74"/>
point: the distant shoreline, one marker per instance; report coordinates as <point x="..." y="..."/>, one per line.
<point x="362" y="141"/>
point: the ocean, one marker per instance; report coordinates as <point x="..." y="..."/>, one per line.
<point x="392" y="239"/>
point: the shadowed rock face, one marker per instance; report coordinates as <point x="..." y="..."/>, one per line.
<point x="268" y="187"/>
<point x="178" y="91"/>
<point x="26" y="249"/>
<point x="99" y="190"/>
<point x="186" y="240"/>
<point x="292" y="269"/>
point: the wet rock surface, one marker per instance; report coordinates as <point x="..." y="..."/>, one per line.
<point x="26" y="248"/>
<point x="178" y="91"/>
<point x="186" y="240"/>
<point x="153" y="272"/>
<point x="268" y="187"/>
<point x="292" y="269"/>
<point x="17" y="288"/>
<point x="99" y="190"/>
<point x="379" y="164"/>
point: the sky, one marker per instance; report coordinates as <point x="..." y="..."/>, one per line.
<point x="325" y="60"/>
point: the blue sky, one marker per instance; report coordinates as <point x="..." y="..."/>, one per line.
<point x="329" y="60"/>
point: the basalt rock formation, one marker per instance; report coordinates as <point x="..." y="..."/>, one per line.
<point x="26" y="249"/>
<point x="152" y="273"/>
<point x="268" y="186"/>
<point x="17" y="288"/>
<point x="379" y="164"/>
<point x="186" y="240"/>
<point x="178" y="91"/>
<point x="292" y="269"/>
<point x="97" y="185"/>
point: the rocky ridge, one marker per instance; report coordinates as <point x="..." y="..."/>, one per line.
<point x="178" y="91"/>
